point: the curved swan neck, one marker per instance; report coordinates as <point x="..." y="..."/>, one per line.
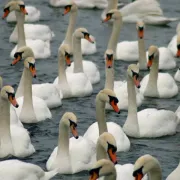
<point x="100" y="152"/>
<point x="70" y="29"/>
<point x="78" y="65"/>
<point x="20" y="26"/>
<point x="109" y="82"/>
<point x="100" y="115"/>
<point x="155" y="173"/>
<point x="63" y="141"/>
<point x="142" y="54"/>
<point x="112" y="176"/>
<point x="115" y="35"/>
<point x="20" y="89"/>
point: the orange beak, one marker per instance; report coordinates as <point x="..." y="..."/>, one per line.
<point x="141" y="34"/>
<point x="88" y="38"/>
<point x="68" y="60"/>
<point x="112" y="156"/>
<point x="24" y="11"/>
<point x="109" y="63"/>
<point x="136" y="82"/>
<point x="94" y="176"/>
<point x="13" y="101"/>
<point x="67" y="10"/>
<point x="16" y="60"/>
<point x="33" y="71"/>
<point x="139" y="177"/>
<point x="5" y="14"/>
<point x="74" y="131"/>
<point x="149" y="64"/>
<point x="114" y="106"/>
<point x="178" y="53"/>
<point x="108" y="17"/>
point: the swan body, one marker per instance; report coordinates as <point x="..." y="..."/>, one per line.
<point x="177" y="75"/>
<point x="72" y="155"/>
<point x="18" y="170"/>
<point x="149" y="123"/>
<point x="33" y="15"/>
<point x="161" y="85"/>
<point x="48" y="92"/>
<point x="175" y="174"/>
<point x="100" y="4"/>
<point x="87" y="47"/>
<point x="96" y="129"/>
<point x="34" y="32"/>
<point x="15" y="140"/>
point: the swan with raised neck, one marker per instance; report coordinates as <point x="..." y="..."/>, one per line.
<point x="7" y="96"/>
<point x="102" y="168"/>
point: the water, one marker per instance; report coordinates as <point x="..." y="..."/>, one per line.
<point x="44" y="135"/>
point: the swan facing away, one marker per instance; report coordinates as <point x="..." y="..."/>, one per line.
<point x="160" y="85"/>
<point x="71" y="155"/>
<point x="86" y="46"/>
<point x="150" y="123"/>
<point x="50" y="93"/>
<point x="79" y="65"/>
<point x="18" y="170"/>
<point x="99" y="127"/>
<point x="15" y="140"/>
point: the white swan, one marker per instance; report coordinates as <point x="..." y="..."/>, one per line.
<point x="149" y="123"/>
<point x="71" y="84"/>
<point x="148" y="164"/>
<point x="177" y="75"/>
<point x="50" y="93"/>
<point x="18" y="170"/>
<point x="161" y="85"/>
<point x="71" y="155"/>
<point x="97" y="128"/>
<point x="33" y="15"/>
<point x="36" y="107"/>
<point x="40" y="48"/>
<point x="119" y="87"/>
<point x="80" y="65"/>
<point x="100" y="4"/>
<point x="15" y="140"/>
<point x="86" y="46"/>
<point x="148" y="11"/>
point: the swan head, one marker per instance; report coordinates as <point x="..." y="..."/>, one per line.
<point x="29" y="63"/>
<point x="113" y="14"/>
<point x="108" y="142"/>
<point x="22" y="53"/>
<point x="64" y="49"/>
<point x="140" y="29"/>
<point x="153" y="52"/>
<point x="7" y="93"/>
<point x="14" y="6"/>
<point x="133" y="72"/>
<point x="83" y="33"/>
<point x="70" y="120"/>
<point x="109" y="58"/>
<point x="103" y="167"/>
<point x="70" y="7"/>
<point x="143" y="165"/>
<point x="108" y="96"/>
<point x="178" y="45"/>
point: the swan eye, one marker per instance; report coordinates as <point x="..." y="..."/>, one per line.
<point x="134" y="74"/>
<point x="112" y="98"/>
<point x="68" y="7"/>
<point x="32" y="65"/>
<point x="85" y="34"/>
<point x="22" y="6"/>
<point x="114" y="148"/>
<point x="178" y="46"/>
<point x="151" y="57"/>
<point x="109" y="57"/>
<point x="67" y="54"/>
<point x="141" y="28"/>
<point x="109" y="15"/>
<point x="10" y="94"/>
<point x="138" y="171"/>
<point x="6" y="9"/>
<point x="72" y="123"/>
<point x="95" y="170"/>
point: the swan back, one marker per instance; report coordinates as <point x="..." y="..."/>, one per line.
<point x="101" y="168"/>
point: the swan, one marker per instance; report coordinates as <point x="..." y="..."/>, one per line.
<point x="148" y="164"/>
<point x="97" y="128"/>
<point x="71" y="155"/>
<point x="100" y="4"/>
<point x="149" y="123"/>
<point x="18" y="170"/>
<point x="160" y="85"/>
<point x="40" y="48"/>
<point x="177" y="75"/>
<point x="72" y="84"/>
<point x="36" y="107"/>
<point x="50" y="93"/>
<point x="148" y="11"/>
<point x="15" y="140"/>
<point x="119" y="87"/>
<point x="86" y="46"/>
<point x="33" y="15"/>
<point x="79" y="65"/>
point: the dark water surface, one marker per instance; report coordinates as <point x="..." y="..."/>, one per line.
<point x="45" y="134"/>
